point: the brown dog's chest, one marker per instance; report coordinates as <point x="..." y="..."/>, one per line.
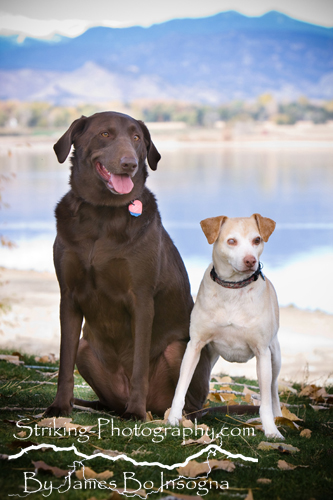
<point x="102" y="262"/>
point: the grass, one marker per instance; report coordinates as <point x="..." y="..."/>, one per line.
<point x="312" y="479"/>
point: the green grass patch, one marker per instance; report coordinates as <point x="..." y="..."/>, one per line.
<point x="25" y="391"/>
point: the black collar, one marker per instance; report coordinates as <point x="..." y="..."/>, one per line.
<point x="237" y="284"/>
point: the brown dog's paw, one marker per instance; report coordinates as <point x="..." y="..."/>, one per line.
<point x="56" y="410"/>
<point x="133" y="413"/>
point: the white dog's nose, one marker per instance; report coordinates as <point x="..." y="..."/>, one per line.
<point x="249" y="261"/>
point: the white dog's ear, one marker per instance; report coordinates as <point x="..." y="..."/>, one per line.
<point x="266" y="226"/>
<point x="211" y="227"/>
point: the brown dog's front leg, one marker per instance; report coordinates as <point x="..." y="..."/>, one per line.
<point x="142" y="331"/>
<point x="71" y="321"/>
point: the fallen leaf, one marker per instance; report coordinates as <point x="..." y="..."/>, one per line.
<point x="149" y="416"/>
<point x="246" y="390"/>
<point x="249" y="496"/>
<point x="228" y="397"/>
<point x="204" y="427"/>
<point x="286" y="421"/>
<point x="290" y="416"/>
<point x="250" y="396"/>
<point x="264" y="480"/>
<point x="40" y="465"/>
<point x="306" y="433"/>
<point x="88" y="473"/>
<point x="283" y="465"/>
<point x="42" y="359"/>
<point x="308" y="390"/>
<point x="266" y="446"/>
<point x="22" y="434"/>
<point x="321" y="396"/>
<point x="166" y="414"/>
<point x="215" y="397"/>
<point x="224" y="388"/>
<point x="202" y="440"/>
<point x="247" y="398"/>
<point x="69" y="426"/>
<point x="186" y="422"/>
<point x="194" y="468"/>
<point x="56" y="423"/>
<point x="47" y="358"/>
<point x="222" y="464"/>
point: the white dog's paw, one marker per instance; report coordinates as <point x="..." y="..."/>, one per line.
<point x="277" y="412"/>
<point x="274" y="433"/>
<point x="174" y="419"/>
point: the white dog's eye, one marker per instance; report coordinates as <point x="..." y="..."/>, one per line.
<point x="257" y="241"/>
<point x="232" y="242"/>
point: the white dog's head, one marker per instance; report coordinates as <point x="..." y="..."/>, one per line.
<point x="238" y="242"/>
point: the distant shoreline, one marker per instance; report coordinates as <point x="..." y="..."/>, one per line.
<point x="177" y="134"/>
<point x="31" y="324"/>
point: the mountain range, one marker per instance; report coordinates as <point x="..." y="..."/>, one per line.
<point x="211" y="60"/>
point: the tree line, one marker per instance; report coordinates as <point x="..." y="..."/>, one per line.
<point x="16" y="115"/>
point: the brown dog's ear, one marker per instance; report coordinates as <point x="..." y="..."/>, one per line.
<point x="211" y="227"/>
<point x="266" y="226"/>
<point x="153" y="156"/>
<point x="63" y="146"/>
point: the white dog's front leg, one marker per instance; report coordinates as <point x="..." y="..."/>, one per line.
<point x="276" y="366"/>
<point x="189" y="364"/>
<point x="264" y="371"/>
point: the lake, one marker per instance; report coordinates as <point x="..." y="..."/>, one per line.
<point x="291" y="183"/>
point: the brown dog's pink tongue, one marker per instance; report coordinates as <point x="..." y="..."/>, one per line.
<point x="122" y="183"/>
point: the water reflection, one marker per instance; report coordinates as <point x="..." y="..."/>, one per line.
<point x="293" y="186"/>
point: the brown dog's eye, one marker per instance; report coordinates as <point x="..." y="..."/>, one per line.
<point x="257" y="241"/>
<point x="105" y="134"/>
<point x="136" y="138"/>
<point x="232" y="242"/>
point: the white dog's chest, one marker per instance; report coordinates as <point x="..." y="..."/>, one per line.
<point x="236" y="329"/>
<point x="233" y="346"/>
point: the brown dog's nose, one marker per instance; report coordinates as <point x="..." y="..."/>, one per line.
<point x="249" y="261"/>
<point x="128" y="164"/>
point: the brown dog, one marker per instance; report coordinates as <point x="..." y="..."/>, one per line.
<point x="121" y="273"/>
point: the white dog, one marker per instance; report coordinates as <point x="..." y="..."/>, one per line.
<point x="236" y="312"/>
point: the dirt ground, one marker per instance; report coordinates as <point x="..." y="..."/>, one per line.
<point x="30" y="323"/>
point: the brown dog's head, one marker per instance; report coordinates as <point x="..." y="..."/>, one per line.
<point x="108" y="163"/>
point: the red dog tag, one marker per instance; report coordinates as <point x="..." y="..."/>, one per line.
<point x="135" y="208"/>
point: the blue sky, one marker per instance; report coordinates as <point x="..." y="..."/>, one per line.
<point x="42" y="18"/>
